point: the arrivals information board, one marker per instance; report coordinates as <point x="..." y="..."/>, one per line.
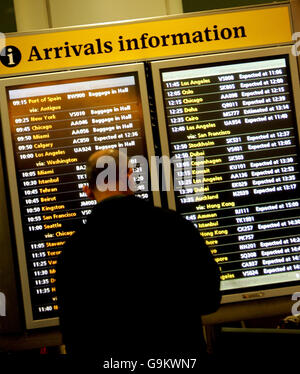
<point x="55" y="126"/>
<point x="240" y="117"/>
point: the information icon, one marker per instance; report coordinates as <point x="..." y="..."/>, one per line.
<point x="10" y="56"/>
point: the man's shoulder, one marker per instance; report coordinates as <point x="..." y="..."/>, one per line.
<point x="121" y="203"/>
<point x="131" y="203"/>
<point x="131" y="210"/>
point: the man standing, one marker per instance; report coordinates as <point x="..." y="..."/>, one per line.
<point x="135" y="280"/>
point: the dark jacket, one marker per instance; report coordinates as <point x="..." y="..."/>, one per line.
<point x="135" y="279"/>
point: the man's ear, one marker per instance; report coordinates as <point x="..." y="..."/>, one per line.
<point x="129" y="172"/>
<point x="130" y="180"/>
<point x="89" y="192"/>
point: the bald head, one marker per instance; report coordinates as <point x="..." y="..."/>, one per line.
<point x="107" y="172"/>
<point x="97" y="162"/>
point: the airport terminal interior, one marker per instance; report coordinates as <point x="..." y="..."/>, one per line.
<point x="204" y="98"/>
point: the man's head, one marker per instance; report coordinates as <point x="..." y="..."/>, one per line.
<point x="107" y="174"/>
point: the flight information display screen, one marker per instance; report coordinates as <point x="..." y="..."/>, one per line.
<point x="55" y="126"/>
<point x="240" y="116"/>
